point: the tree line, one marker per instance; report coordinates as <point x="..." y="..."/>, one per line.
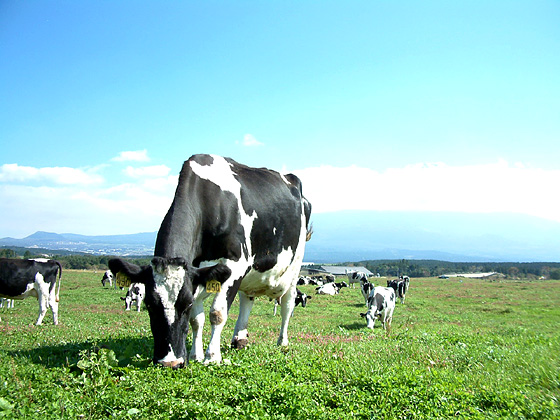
<point x="386" y="268"/>
<point x="436" y="268"/>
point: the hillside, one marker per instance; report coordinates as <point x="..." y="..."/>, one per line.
<point x="368" y="235"/>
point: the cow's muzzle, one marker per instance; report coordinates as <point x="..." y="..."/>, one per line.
<point x="175" y="364"/>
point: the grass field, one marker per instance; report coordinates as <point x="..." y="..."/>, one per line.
<point x="457" y="349"/>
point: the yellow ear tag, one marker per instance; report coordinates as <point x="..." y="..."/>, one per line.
<point x="123" y="280"/>
<point x="213" y="286"/>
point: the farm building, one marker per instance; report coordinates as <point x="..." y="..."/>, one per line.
<point x="336" y="270"/>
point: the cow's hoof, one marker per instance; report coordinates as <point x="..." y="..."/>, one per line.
<point x="239" y="343"/>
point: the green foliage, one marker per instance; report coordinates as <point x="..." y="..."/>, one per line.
<point x="458" y="348"/>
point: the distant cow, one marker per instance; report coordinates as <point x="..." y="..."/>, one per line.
<point x="355" y="277"/>
<point x="301" y="299"/>
<point x="303" y="280"/>
<point x="367" y="288"/>
<point x="22" y="278"/>
<point x="400" y="286"/>
<point x="8" y="302"/>
<point x="381" y="304"/>
<point x="135" y="293"/>
<point x="107" y="278"/>
<point x="328" y="289"/>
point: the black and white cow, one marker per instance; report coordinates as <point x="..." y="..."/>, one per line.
<point x="400" y="286"/>
<point x="38" y="277"/>
<point x="301" y="299"/>
<point x="381" y="304"/>
<point x="135" y="293"/>
<point x="231" y="228"/>
<point x="367" y="288"/>
<point x="107" y="278"/>
<point x="303" y="280"/>
<point x="328" y="289"/>
<point x="355" y="277"/>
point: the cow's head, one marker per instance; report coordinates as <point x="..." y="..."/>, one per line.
<point x="370" y="317"/>
<point x="301" y="299"/>
<point x="170" y="286"/>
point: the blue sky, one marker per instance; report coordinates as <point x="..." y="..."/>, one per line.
<point x="431" y="105"/>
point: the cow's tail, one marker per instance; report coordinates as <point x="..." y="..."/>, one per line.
<point x="59" y="280"/>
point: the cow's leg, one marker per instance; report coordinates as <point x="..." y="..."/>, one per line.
<point x="43" y="294"/>
<point x="218" y="318"/>
<point x="240" y="335"/>
<point x="197" y="323"/>
<point x="288" y="304"/>
<point x="43" y="306"/>
<point x="54" y="305"/>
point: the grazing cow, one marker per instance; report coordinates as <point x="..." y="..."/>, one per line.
<point x="328" y="289"/>
<point x="22" y="278"/>
<point x="355" y="277"/>
<point x="135" y="293"/>
<point x="301" y="299"/>
<point x="367" y="288"/>
<point x="381" y="304"/>
<point x="400" y="286"/>
<point x="107" y="278"/>
<point x="230" y="229"/>
<point x="341" y="284"/>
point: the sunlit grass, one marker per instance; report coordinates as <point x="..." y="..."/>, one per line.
<point x="458" y="348"/>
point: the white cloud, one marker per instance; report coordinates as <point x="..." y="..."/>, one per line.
<point x="496" y="187"/>
<point x="249" y="141"/>
<point x="132" y="156"/>
<point x="57" y="175"/>
<point x="74" y="200"/>
<point x="147" y="171"/>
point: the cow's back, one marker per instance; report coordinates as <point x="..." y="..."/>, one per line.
<point x="223" y="210"/>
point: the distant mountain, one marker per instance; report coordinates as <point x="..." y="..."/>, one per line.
<point x="134" y="244"/>
<point x="456" y="237"/>
<point x="370" y="235"/>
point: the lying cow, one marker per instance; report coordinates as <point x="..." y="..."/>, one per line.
<point x="107" y="278"/>
<point x="381" y="304"/>
<point x="301" y="299"/>
<point x="328" y="289"/>
<point x="135" y="293"/>
<point x="355" y="277"/>
<point x="230" y="229"/>
<point x="22" y="278"/>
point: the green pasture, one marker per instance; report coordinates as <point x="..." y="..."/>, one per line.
<point x="457" y="349"/>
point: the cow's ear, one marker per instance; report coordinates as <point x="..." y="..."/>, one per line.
<point x="363" y="315"/>
<point x="219" y="272"/>
<point x="135" y="273"/>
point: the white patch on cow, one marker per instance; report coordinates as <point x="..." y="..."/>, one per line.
<point x="168" y="285"/>
<point x="274" y="231"/>
<point x="272" y="283"/>
<point x="40" y="260"/>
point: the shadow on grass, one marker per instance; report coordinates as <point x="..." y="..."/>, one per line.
<point x="354" y="326"/>
<point x="65" y="355"/>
